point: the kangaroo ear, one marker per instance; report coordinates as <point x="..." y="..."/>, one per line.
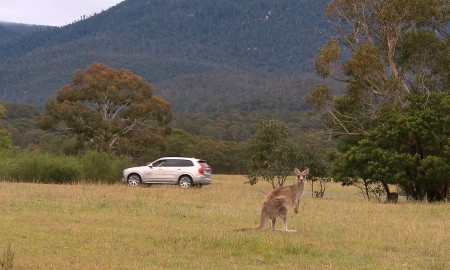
<point x="306" y="171"/>
<point x="297" y="171"/>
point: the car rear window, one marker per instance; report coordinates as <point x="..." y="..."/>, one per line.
<point x="204" y="164"/>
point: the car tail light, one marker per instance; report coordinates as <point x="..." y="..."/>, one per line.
<point x="200" y="170"/>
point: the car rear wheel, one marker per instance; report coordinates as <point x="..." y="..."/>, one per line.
<point x="185" y="181"/>
<point x="134" y="180"/>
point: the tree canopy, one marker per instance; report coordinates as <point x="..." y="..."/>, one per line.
<point x="111" y="110"/>
<point x="383" y="50"/>
<point x="394" y="58"/>
<point x="274" y="153"/>
<point x="410" y="149"/>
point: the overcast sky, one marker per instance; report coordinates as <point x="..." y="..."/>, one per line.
<point x="51" y="12"/>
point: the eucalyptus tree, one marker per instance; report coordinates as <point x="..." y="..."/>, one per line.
<point x="385" y="52"/>
<point x="273" y="154"/>
<point x="112" y="110"/>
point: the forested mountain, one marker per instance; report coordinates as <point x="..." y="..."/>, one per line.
<point x="201" y="55"/>
<point x="11" y="30"/>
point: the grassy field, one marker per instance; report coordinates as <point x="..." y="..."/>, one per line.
<point x="164" y="227"/>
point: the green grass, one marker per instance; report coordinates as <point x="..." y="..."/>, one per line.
<point x="90" y="226"/>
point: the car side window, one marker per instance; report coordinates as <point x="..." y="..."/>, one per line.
<point x="171" y="163"/>
<point x="186" y="163"/>
<point x="178" y="163"/>
<point x="159" y="163"/>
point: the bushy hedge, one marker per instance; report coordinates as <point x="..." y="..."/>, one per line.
<point x="100" y="167"/>
<point x="40" y="167"/>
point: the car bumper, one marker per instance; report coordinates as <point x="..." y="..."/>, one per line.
<point x="203" y="180"/>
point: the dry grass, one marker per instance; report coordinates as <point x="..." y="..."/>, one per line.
<point x="165" y="227"/>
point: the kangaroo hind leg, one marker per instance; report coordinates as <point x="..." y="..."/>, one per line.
<point x="285" y="225"/>
<point x="273" y="224"/>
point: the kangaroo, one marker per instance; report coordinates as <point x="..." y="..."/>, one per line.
<point x="280" y="200"/>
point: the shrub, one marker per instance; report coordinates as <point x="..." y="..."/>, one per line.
<point x="62" y="174"/>
<point x="7" y="165"/>
<point x="36" y="166"/>
<point x="41" y="167"/>
<point x="101" y="167"/>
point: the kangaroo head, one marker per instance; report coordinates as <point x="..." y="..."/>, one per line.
<point x="301" y="175"/>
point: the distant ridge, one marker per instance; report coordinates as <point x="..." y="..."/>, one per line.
<point x="9" y="30"/>
<point x="245" y="52"/>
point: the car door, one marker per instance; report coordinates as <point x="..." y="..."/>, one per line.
<point x="170" y="171"/>
<point x="146" y="173"/>
<point x="156" y="174"/>
<point x="164" y="171"/>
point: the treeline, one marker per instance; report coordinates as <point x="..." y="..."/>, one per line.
<point x="238" y="125"/>
<point x="11" y="30"/>
<point x="221" y="138"/>
<point x="224" y="157"/>
<point x="242" y="92"/>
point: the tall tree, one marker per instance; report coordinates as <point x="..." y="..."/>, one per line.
<point x="110" y="109"/>
<point x="273" y="154"/>
<point x="411" y="150"/>
<point x="390" y="54"/>
<point x="382" y="50"/>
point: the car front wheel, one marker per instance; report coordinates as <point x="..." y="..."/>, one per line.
<point x="185" y="182"/>
<point x="134" y="180"/>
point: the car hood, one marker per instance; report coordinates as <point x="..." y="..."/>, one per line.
<point x="138" y="168"/>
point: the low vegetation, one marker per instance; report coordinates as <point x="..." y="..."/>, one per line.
<point x="41" y="167"/>
<point x="96" y="226"/>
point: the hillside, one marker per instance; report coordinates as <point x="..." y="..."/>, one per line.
<point x="201" y="55"/>
<point x="13" y="30"/>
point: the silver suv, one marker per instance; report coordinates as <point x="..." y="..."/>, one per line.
<point x="185" y="172"/>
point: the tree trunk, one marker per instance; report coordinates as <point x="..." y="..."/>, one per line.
<point x="438" y="194"/>
<point x="392" y="197"/>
